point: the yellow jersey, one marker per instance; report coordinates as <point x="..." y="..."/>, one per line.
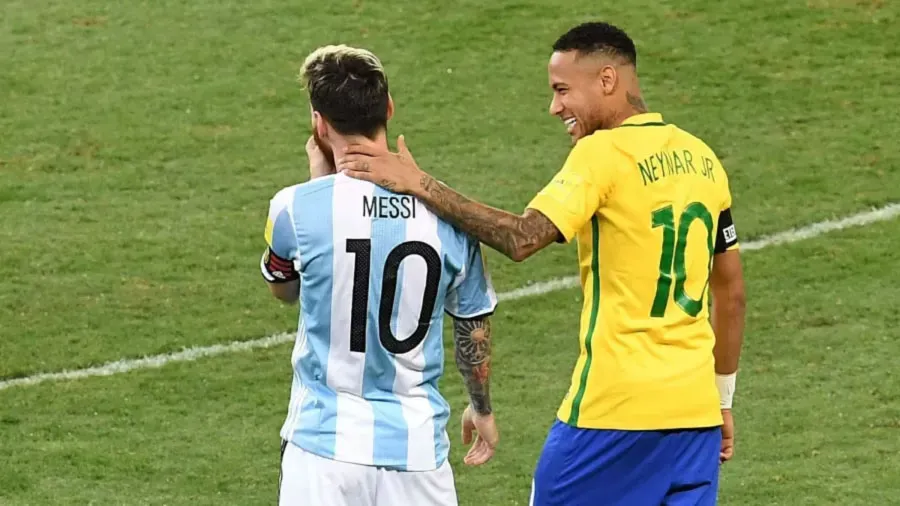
<point x="644" y="202"/>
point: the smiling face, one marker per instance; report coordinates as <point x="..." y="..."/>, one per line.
<point x="583" y="91"/>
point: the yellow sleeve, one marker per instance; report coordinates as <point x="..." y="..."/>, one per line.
<point x="726" y="203"/>
<point x="577" y="191"/>
<point x="729" y="230"/>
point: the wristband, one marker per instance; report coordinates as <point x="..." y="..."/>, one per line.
<point x="725" y="383"/>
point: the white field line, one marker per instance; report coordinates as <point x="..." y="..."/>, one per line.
<point x="125" y="365"/>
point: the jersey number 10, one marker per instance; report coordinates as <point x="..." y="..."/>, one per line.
<point x="359" y="310"/>
<point x="673" y="251"/>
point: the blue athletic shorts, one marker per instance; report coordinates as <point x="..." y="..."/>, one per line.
<point x="590" y="467"/>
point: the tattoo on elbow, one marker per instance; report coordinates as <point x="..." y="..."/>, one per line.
<point x="532" y="233"/>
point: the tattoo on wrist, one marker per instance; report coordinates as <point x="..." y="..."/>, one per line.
<point x="473" y="358"/>
<point x="427" y="183"/>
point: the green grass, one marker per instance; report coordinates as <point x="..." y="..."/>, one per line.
<point x="141" y="141"/>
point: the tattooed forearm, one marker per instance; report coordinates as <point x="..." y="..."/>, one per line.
<point x="515" y="236"/>
<point x="473" y="358"/>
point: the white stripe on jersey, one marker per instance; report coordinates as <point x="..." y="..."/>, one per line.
<point x="417" y="410"/>
<point x="355" y="431"/>
<point x="299" y="351"/>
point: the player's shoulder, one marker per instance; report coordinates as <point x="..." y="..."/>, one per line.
<point x="622" y="142"/>
<point x="691" y="138"/>
<point x="589" y="155"/>
<point x="282" y="199"/>
<point x="597" y="142"/>
<point x="712" y="166"/>
<point x="694" y="141"/>
<point x="314" y="186"/>
<point x="301" y="191"/>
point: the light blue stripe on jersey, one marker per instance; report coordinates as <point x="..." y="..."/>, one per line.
<point x="453" y="254"/>
<point x="313" y="431"/>
<point x="391" y="441"/>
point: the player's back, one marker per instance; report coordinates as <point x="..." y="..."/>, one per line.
<point x="660" y="226"/>
<point x="651" y="362"/>
<point x="377" y="271"/>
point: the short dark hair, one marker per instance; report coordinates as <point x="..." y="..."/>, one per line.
<point x="348" y="87"/>
<point x="598" y="37"/>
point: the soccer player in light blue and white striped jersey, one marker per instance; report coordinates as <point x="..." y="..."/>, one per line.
<point x="374" y="272"/>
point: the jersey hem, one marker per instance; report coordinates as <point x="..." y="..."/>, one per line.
<point x="385" y="464"/>
<point x="472" y="316"/>
<point x="614" y="425"/>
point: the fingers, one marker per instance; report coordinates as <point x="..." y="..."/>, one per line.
<point x="726" y="453"/>
<point x="486" y="438"/>
<point x="404" y="151"/>
<point x="466" y="434"/>
<point x="479" y="453"/>
<point x="363" y="149"/>
<point x="356" y="163"/>
<point x="467" y="426"/>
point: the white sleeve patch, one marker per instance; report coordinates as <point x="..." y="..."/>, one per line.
<point x="730" y="234"/>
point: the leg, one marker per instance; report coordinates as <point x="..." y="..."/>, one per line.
<point x="550" y="464"/>
<point x="696" y="478"/>
<point x="587" y="467"/>
<point x="432" y="488"/>
<point x="309" y="479"/>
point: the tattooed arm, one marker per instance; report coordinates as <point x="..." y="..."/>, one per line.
<point x="473" y="358"/>
<point x="516" y="236"/>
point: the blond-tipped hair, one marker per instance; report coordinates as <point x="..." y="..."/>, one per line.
<point x="348" y="87"/>
<point x="313" y="64"/>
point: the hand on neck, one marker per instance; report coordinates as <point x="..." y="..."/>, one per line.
<point x="339" y="142"/>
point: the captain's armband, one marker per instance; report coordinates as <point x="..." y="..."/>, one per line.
<point x="726" y="236"/>
<point x="276" y="269"/>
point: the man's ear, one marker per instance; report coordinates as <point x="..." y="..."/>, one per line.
<point x="320" y="125"/>
<point x="609" y="79"/>
<point x="390" y="108"/>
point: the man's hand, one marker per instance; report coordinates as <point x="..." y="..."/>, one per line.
<point x="319" y="164"/>
<point x="727" y="437"/>
<point x="397" y="172"/>
<point x="486" y="436"/>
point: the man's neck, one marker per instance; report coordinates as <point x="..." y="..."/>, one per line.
<point x="632" y="106"/>
<point x="338" y="143"/>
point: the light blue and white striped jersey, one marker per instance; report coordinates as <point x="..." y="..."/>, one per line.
<point x="377" y="272"/>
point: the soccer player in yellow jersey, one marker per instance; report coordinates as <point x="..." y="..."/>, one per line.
<point x="647" y="418"/>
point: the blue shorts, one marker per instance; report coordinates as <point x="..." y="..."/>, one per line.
<point x="590" y="467"/>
